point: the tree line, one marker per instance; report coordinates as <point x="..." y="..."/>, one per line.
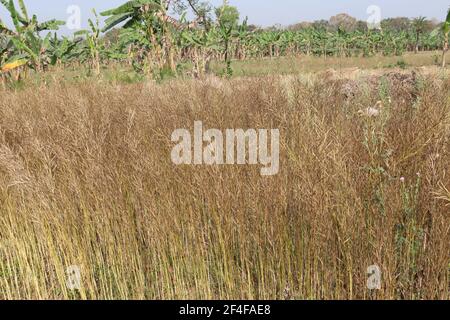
<point x="145" y="35"/>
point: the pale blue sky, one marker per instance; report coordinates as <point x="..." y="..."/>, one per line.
<point x="263" y="12"/>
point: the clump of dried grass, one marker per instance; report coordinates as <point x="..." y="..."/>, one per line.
<point x="87" y="180"/>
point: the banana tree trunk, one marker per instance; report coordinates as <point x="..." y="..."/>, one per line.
<point x="97" y="62"/>
<point x="444" y="51"/>
<point x="3" y="80"/>
<point x="170" y="52"/>
<point x="416" y="48"/>
<point x="227" y="45"/>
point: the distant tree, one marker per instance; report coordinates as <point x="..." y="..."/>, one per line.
<point x="228" y="21"/>
<point x="202" y="9"/>
<point x="252" y="27"/>
<point x="300" y="26"/>
<point x="434" y="23"/>
<point x="361" y="26"/>
<point x="227" y="16"/>
<point x="321" y="25"/>
<point x="344" y="22"/>
<point x="398" y="24"/>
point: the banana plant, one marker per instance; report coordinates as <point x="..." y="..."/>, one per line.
<point x="34" y="49"/>
<point x="22" y="22"/>
<point x="3" y="47"/>
<point x="150" y="17"/>
<point x="135" y="46"/>
<point x="9" y="61"/>
<point x="91" y="46"/>
<point x="62" y="51"/>
<point x="4" y="31"/>
<point x="445" y="31"/>
<point x="418" y="24"/>
<point x="132" y="13"/>
<point x="241" y="35"/>
<point x="228" y="21"/>
<point x="203" y="44"/>
<point x="28" y="44"/>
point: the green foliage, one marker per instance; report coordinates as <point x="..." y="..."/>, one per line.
<point x="227" y="16"/>
<point x="402" y="64"/>
<point x="23" y="23"/>
<point x="90" y="48"/>
<point x="151" y="41"/>
<point x="446" y="24"/>
<point x="25" y="42"/>
<point x="132" y="12"/>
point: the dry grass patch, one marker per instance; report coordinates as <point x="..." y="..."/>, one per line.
<point x="86" y="179"/>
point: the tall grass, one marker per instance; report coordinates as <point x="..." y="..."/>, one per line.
<point x="86" y="179"/>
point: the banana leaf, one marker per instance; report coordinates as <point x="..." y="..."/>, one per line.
<point x="112" y="21"/>
<point x="13" y="65"/>
<point x="14" y="15"/>
<point x="130" y="7"/>
<point x="50" y="25"/>
<point x="23" y="8"/>
<point x="125" y="8"/>
<point x="81" y="33"/>
<point x="129" y="10"/>
<point x="22" y="46"/>
<point x="446" y="25"/>
<point x="4" y="30"/>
